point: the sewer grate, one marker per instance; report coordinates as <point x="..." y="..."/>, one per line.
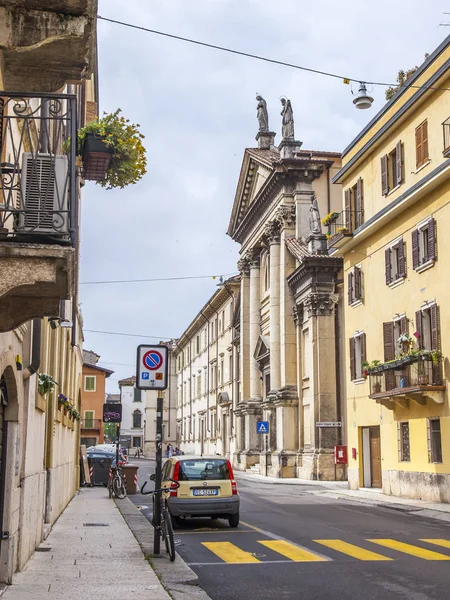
<point x="95" y="524"/>
<point x="43" y="549"/>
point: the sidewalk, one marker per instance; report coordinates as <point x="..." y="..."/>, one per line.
<point x="82" y="559"/>
<point x="338" y="490"/>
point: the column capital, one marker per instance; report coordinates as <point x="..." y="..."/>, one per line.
<point x="298" y="314"/>
<point x="285" y="215"/>
<point x="243" y="266"/>
<point x="253" y="256"/>
<point x="272" y="231"/>
<point x="320" y="304"/>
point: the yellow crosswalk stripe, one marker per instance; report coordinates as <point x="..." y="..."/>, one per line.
<point x="230" y="553"/>
<point x="438" y="542"/>
<point x="291" y="551"/>
<point x="410" y="549"/>
<point x="352" y="550"/>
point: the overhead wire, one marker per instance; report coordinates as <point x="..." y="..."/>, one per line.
<point x="345" y="78"/>
<point x="158" y="279"/>
<point x="150" y="337"/>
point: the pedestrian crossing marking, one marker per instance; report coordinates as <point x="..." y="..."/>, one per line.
<point x="291" y="551"/>
<point x="230" y="553"/>
<point x="410" y="549"/>
<point x="443" y="543"/>
<point x="352" y="550"/>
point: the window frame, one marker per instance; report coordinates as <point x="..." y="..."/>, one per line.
<point x="94" y="377"/>
<point x="392" y="169"/>
<point x="88" y="420"/>
<point x="431" y="448"/>
<point x="396" y="249"/>
<point x="420" y="261"/>
<point x="136" y="413"/>
<point x="355" y="290"/>
<point x="356" y="361"/>
<point x="403" y="456"/>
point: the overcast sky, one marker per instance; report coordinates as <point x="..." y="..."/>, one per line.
<point x="196" y="107"/>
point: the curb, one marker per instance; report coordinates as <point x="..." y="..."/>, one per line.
<point x="176" y="577"/>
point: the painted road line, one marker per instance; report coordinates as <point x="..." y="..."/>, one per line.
<point x="351" y="550"/>
<point x="410" y="549"/>
<point x="224" y="564"/>
<point x="230" y="553"/>
<point x="443" y="543"/>
<point x="291" y="551"/>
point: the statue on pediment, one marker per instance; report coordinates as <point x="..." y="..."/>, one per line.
<point x="315" y="224"/>
<point x="262" y="114"/>
<point x="287" y="127"/>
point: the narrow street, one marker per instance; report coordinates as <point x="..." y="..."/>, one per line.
<point x="292" y="541"/>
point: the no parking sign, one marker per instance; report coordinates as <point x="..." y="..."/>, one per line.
<point x="152" y="367"/>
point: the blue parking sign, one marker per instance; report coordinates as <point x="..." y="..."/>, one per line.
<point x="145" y="375"/>
<point x="262" y="427"/>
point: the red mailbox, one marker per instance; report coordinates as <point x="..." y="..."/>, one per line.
<point x="340" y="455"/>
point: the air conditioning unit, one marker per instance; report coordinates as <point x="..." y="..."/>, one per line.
<point x="44" y="194"/>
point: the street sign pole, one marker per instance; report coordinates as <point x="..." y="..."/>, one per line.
<point x="158" y="472"/>
<point x="267" y="452"/>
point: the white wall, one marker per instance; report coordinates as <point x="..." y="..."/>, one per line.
<point x="129" y="405"/>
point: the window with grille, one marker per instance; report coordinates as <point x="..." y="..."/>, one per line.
<point x="404" y="453"/>
<point x="434" y="441"/>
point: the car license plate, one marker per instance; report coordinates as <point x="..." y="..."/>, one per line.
<point x="206" y="492"/>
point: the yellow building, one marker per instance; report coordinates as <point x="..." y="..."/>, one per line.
<point x="393" y="235"/>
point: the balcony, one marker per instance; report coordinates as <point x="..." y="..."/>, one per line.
<point x="343" y="227"/>
<point x="91" y="425"/>
<point x="46" y="43"/>
<point x="38" y="205"/>
<point x="409" y="378"/>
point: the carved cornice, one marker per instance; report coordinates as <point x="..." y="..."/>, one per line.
<point x="272" y="231"/>
<point x="320" y="304"/>
<point x="285" y="215"/>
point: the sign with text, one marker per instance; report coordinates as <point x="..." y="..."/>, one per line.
<point x="152" y="367"/>
<point x="112" y="413"/>
<point x="329" y="424"/>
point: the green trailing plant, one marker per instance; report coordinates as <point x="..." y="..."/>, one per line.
<point x="46" y="384"/>
<point x="128" y="163"/>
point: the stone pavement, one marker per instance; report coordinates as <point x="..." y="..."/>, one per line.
<point x="81" y="561"/>
<point x="339" y="490"/>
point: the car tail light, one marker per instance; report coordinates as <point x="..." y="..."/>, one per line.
<point x="233" y="482"/>
<point x="174" y="486"/>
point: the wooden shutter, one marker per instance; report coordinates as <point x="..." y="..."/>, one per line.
<point x="357" y="283"/>
<point x="362" y="337"/>
<point x="359" y="208"/>
<point x="398" y="163"/>
<point x="387" y="260"/>
<point x="401" y="259"/>
<point x="432" y="239"/>
<point x="384" y="175"/>
<point x="403" y="325"/>
<point x="415" y="248"/>
<point x="348" y="209"/>
<point x="350" y="280"/>
<point x="418" y="146"/>
<point x="389" y="353"/>
<point x="421" y="144"/>
<point x="352" y="359"/>
<point x="424" y="141"/>
<point x="434" y="314"/>
<point x="419" y="328"/>
<point x="388" y="341"/>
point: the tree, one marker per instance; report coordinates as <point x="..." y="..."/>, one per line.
<point x="111" y="431"/>
<point x="402" y="78"/>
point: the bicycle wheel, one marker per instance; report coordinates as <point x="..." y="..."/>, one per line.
<point x="110" y="489"/>
<point x="168" y="534"/>
<point x="119" y="487"/>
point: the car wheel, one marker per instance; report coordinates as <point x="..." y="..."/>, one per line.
<point x="233" y="520"/>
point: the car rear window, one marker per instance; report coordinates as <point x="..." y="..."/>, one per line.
<point x="202" y="469"/>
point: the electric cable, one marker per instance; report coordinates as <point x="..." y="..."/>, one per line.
<point x="159" y="279"/>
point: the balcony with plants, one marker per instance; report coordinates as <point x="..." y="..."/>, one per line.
<point x="414" y="374"/>
<point x="341" y="226"/>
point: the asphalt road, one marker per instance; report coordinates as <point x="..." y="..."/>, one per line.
<point x="292" y="544"/>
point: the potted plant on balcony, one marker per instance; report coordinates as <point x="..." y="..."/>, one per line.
<point x="405" y="343"/>
<point x="112" y="151"/>
<point x="330" y="218"/>
<point x="422" y="373"/>
<point x="46" y="384"/>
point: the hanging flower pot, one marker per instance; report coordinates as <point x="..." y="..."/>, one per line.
<point x="97" y="157"/>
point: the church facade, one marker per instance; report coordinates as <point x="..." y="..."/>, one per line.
<point x="289" y="320"/>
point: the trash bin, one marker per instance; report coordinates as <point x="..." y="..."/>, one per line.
<point x="131" y="476"/>
<point x="99" y="468"/>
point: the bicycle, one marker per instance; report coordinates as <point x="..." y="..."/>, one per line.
<point x="164" y="529"/>
<point x="116" y="482"/>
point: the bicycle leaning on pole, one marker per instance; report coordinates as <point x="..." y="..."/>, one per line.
<point x="164" y="529"/>
<point x="116" y="481"/>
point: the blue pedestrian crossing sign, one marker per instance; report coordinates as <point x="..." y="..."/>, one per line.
<point x="262" y="427"/>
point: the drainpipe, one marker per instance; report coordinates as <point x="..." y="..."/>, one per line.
<point x="328" y="194"/>
<point x="337" y="333"/>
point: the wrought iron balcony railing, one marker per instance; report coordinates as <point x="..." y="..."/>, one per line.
<point x="95" y="424"/>
<point x="413" y="374"/>
<point x="38" y="195"/>
<point x="344" y="226"/>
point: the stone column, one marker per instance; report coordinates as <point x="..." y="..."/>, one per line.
<point x="244" y="354"/>
<point x="272" y="234"/>
<point x="255" y="325"/>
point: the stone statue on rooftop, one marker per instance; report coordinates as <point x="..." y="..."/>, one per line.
<point x="262" y="114"/>
<point x="287" y="114"/>
<point x="315" y="224"/>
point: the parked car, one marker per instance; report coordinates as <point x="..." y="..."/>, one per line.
<point x="206" y="488"/>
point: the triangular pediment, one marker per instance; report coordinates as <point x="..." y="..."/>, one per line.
<point x="257" y="167"/>
<point x="262" y="349"/>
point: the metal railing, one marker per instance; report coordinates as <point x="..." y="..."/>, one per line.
<point x="91" y="424"/>
<point x="422" y="373"/>
<point x="446" y="133"/>
<point x="38" y="192"/>
<point x="346" y="222"/>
